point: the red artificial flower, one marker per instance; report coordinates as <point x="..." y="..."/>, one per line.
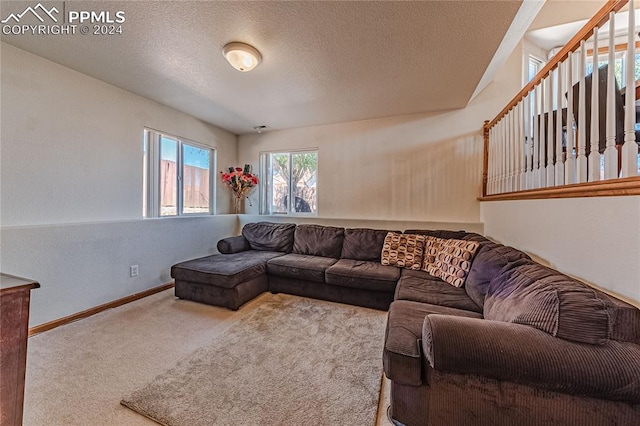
<point x="239" y="180"/>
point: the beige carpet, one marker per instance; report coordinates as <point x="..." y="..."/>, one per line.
<point x="293" y="361"/>
<point x="77" y="374"/>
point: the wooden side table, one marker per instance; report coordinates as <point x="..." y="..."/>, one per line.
<point x="15" y="293"/>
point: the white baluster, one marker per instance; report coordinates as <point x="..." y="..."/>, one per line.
<point x="570" y="162"/>
<point x="594" y="154"/>
<point x="512" y="154"/>
<point x="491" y="178"/>
<point x="494" y="149"/>
<point x="498" y="163"/>
<point x="520" y="145"/>
<point x="581" y="158"/>
<point x="507" y="150"/>
<point x="610" y="152"/>
<point x="559" y="172"/>
<point x="503" y="153"/>
<point x="630" y="148"/>
<point x="515" y="144"/>
<point x="542" y="150"/>
<point x="505" y="164"/>
<point x="527" y="142"/>
<point x="536" y="139"/>
<point x="500" y="175"/>
<point x="550" y="179"/>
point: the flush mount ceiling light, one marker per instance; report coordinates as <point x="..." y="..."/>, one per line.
<point x="241" y="56"/>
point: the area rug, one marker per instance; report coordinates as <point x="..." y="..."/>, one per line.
<point x="292" y="361"/>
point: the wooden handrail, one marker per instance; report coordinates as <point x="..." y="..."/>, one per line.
<point x="585" y="32"/>
<point x="602" y="188"/>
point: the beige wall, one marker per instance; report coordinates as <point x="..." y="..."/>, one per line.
<point x="424" y="167"/>
<point x="72" y="145"/>
<point x="594" y="239"/>
<point x="71" y="187"/>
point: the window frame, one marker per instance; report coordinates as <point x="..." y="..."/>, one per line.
<point x="152" y="156"/>
<point x="531" y="59"/>
<point x="267" y="177"/>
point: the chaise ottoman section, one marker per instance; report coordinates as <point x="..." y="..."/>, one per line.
<point x="227" y="280"/>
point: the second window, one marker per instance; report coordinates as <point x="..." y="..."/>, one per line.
<point x="290" y="182"/>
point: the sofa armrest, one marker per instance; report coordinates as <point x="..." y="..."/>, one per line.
<point x="231" y="245"/>
<point x="522" y="354"/>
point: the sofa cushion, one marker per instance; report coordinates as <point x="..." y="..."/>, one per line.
<point x="472" y="236"/>
<point x="270" y="236"/>
<point x="439" y="233"/>
<point x="224" y="270"/>
<point x="624" y="319"/>
<point x="403" y="250"/>
<point x="531" y="294"/>
<point x="402" y="357"/>
<point x="489" y="261"/>
<point x="300" y="266"/>
<point x="453" y="261"/>
<point x="317" y="240"/>
<point x="427" y="289"/>
<point x="363" y="244"/>
<point x="363" y="274"/>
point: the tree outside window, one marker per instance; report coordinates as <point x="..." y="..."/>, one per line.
<point x="290" y="185"/>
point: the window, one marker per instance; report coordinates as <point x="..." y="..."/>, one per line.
<point x="535" y="65"/>
<point x="620" y="66"/>
<point x="177" y="176"/>
<point x="289" y="184"/>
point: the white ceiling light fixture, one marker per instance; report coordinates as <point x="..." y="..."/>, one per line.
<point x="241" y="56"/>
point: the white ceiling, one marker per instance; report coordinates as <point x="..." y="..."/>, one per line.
<point x="557" y="36"/>
<point x="323" y="61"/>
<point x="559" y="20"/>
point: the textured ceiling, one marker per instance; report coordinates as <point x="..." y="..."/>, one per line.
<point x="559" y="20"/>
<point x="323" y="62"/>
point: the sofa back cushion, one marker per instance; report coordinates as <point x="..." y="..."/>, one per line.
<point x="363" y="244"/>
<point x="438" y="233"/>
<point x="531" y="294"/>
<point x="317" y="240"/>
<point x="268" y="236"/>
<point x="490" y="259"/>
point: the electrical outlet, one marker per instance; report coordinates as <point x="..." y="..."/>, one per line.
<point x="133" y="271"/>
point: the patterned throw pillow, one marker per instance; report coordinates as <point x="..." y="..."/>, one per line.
<point x="431" y="248"/>
<point x="403" y="250"/>
<point x="453" y="261"/>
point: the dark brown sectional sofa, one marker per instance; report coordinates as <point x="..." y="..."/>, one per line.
<point x="519" y="343"/>
<point x="336" y="264"/>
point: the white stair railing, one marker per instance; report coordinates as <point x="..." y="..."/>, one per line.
<point x="539" y="140"/>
